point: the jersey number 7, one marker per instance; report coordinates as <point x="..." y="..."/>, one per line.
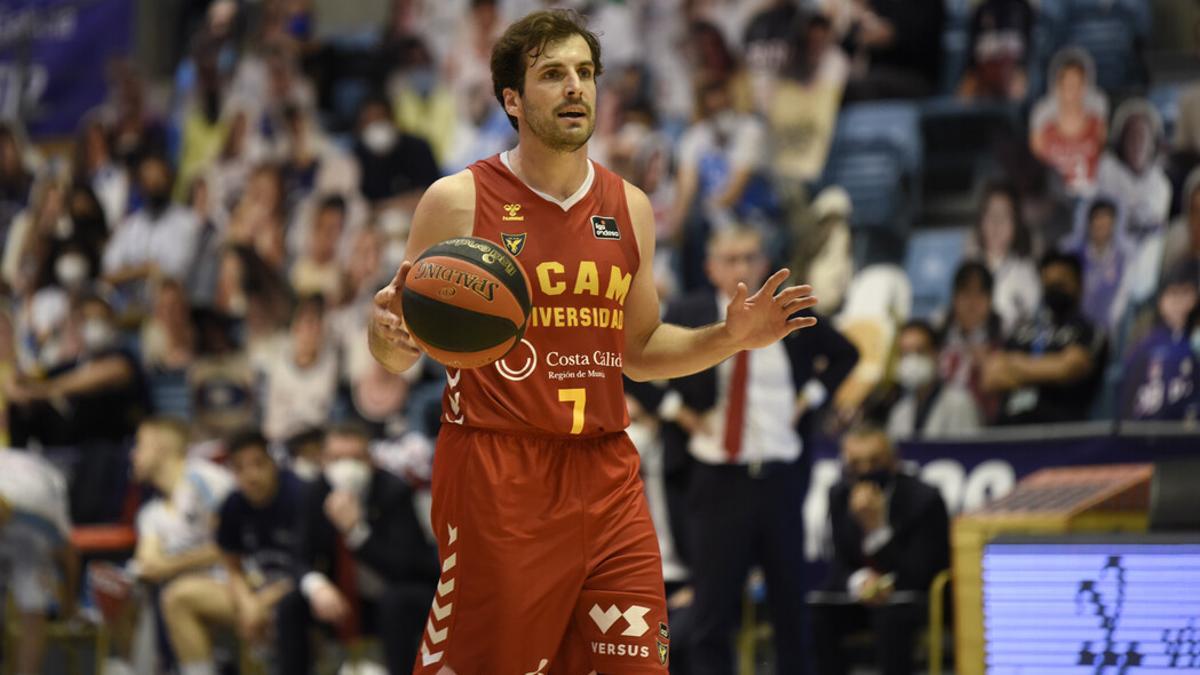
<point x="578" y="400"/>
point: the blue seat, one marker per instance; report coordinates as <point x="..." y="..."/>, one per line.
<point x="931" y="260"/>
<point x="1109" y="30"/>
<point x="955" y="43"/>
<point x="876" y="156"/>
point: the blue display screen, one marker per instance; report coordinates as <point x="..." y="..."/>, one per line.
<point x="1091" y="608"/>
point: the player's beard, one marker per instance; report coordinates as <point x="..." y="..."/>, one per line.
<point x="545" y="125"/>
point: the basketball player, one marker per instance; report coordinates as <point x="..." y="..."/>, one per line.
<point x="549" y="558"/>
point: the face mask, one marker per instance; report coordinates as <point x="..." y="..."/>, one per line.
<point x="348" y="475"/>
<point x="914" y="371"/>
<point x="97" y="334"/>
<point x="71" y="270"/>
<point x="379" y="137"/>
<point x="1059" y="301"/>
<point x="156" y="203"/>
<point x="881" y="477"/>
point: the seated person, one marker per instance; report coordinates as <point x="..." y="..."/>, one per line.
<point x="1054" y="363"/>
<point x="256" y="534"/>
<point x="1067" y="128"/>
<point x="1162" y="375"/>
<point x="891" y="537"/>
<point x="176" y="550"/>
<point x="300" y="380"/>
<point x="1102" y="244"/>
<point x="103" y="389"/>
<point x="35" y="546"/>
<point x="364" y="563"/>
<point x="998" y="51"/>
<point x="304" y="449"/>
<point x="929" y="407"/>
<point x="971" y="332"/>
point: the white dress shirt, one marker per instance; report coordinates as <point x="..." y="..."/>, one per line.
<point x="768" y="434"/>
<point x="169" y="240"/>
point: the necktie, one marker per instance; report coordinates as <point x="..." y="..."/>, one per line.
<point x="346" y="573"/>
<point x="735" y="414"/>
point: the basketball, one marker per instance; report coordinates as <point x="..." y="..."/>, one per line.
<point x="466" y="302"/>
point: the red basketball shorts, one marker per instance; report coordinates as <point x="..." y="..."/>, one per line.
<point x="550" y="562"/>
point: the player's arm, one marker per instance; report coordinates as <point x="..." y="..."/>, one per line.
<point x="655" y="350"/>
<point x="446" y="210"/>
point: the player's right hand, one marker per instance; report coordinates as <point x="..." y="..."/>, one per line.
<point x="386" y="321"/>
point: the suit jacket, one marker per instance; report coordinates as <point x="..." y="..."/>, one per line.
<point x="699" y="392"/>
<point x="396" y="549"/>
<point x="920" y="543"/>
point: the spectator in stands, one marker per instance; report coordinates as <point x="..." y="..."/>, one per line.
<point x="929" y="407"/>
<point x="94" y="166"/>
<point x="260" y="219"/>
<point x="41" y="567"/>
<point x="1003" y="243"/>
<point x="771" y="35"/>
<point x="228" y="175"/>
<point x="157" y="239"/>
<point x="256" y="533"/>
<point x="220" y="380"/>
<point x="1054" y="363"/>
<point x="1185" y="146"/>
<point x="821" y="254"/>
<point x="972" y="332"/>
<point x="1103" y="248"/>
<point x="1183" y="237"/>
<point x="396" y="167"/>
<point x="425" y="105"/>
<point x="318" y="271"/>
<point x="998" y="51"/>
<point x="168" y="338"/>
<point x="251" y="291"/>
<point x="304" y="451"/>
<point x="891" y="537"/>
<point x="16" y="180"/>
<point x="1067" y="128"/>
<point x="365" y="565"/>
<point x="803" y="103"/>
<point x="27" y="246"/>
<point x="722" y="162"/>
<point x="749" y="480"/>
<point x="102" y="387"/>
<point x="176" y="549"/>
<point x="135" y="131"/>
<point x="897" y="47"/>
<point x="1162" y="374"/>
<point x="300" y="380"/>
<point x="1131" y="171"/>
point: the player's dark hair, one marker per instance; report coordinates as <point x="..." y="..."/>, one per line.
<point x="247" y="439"/>
<point x="529" y="37"/>
<point x="973" y="272"/>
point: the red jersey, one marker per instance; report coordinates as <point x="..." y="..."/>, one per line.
<point x="564" y="377"/>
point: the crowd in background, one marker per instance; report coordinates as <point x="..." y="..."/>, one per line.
<point x="208" y="248"/>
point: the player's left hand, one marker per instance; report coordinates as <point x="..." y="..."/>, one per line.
<point x="753" y="321"/>
<point x="343" y="510"/>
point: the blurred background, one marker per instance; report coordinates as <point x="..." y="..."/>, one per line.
<point x="997" y="202"/>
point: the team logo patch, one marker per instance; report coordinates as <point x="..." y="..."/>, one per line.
<point x="515" y="243"/>
<point x="663" y="650"/>
<point x="605" y="227"/>
<point x="663" y="631"/>
<point x="513" y="212"/>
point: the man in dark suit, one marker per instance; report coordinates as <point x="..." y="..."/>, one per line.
<point x="365" y="565"/>
<point x="739" y="427"/>
<point x="891" y="537"/>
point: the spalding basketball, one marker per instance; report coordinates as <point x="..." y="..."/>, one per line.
<point x="466" y="302"/>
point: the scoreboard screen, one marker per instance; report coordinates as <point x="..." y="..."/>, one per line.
<point x="1090" y="605"/>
